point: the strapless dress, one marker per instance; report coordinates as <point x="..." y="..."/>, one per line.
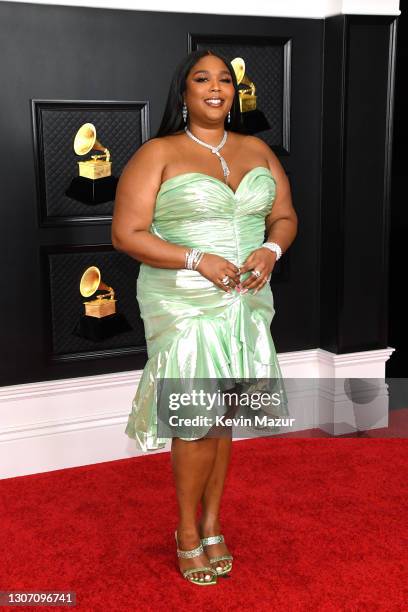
<point x="194" y="329"/>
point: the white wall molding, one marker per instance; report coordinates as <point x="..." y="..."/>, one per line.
<point x="316" y="9"/>
<point x="57" y="424"/>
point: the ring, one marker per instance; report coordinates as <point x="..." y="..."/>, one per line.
<point x="226" y="280"/>
<point x="256" y="273"/>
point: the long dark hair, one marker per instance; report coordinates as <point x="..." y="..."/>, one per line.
<point x="172" y="120"/>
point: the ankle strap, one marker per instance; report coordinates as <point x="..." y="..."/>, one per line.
<point x="188" y="554"/>
<point x="218" y="539"/>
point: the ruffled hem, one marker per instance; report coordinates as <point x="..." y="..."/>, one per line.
<point x="233" y="347"/>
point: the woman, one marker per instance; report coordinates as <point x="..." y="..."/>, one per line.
<point x="193" y="205"/>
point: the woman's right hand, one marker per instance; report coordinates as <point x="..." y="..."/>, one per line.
<point x="215" y="268"/>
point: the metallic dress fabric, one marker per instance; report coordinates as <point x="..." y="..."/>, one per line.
<point x="194" y="329"/>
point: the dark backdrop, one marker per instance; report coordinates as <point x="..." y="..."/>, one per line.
<point x="398" y="329"/>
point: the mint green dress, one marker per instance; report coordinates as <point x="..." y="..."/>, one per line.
<point x="192" y="327"/>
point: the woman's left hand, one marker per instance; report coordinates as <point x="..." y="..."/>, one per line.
<point x="261" y="259"/>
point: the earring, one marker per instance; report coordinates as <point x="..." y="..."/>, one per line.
<point x="184" y="112"/>
<point x="229" y="117"/>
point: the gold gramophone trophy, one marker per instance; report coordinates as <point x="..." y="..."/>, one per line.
<point x="104" y="305"/>
<point x="95" y="183"/>
<point x="253" y="119"/>
<point x="84" y="142"/>
<point x="100" y="320"/>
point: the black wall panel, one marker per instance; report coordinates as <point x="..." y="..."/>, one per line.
<point x="358" y="102"/>
<point x="397" y="319"/>
<point x="75" y="53"/>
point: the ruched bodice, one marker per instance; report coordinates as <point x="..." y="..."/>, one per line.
<point x="193" y="328"/>
<point x="197" y="210"/>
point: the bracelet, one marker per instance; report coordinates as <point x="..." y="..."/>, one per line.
<point x="273" y="246"/>
<point x="190" y="255"/>
<point x="193" y="258"/>
<point x="198" y="260"/>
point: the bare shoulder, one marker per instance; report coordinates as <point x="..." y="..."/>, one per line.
<point x="154" y="154"/>
<point x="151" y="150"/>
<point x="260" y="148"/>
<point x="144" y="168"/>
<point x="138" y="186"/>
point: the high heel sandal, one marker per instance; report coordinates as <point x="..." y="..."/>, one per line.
<point x="195" y="552"/>
<point x="218" y="539"/>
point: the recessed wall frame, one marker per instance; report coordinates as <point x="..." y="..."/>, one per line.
<point x="121" y="126"/>
<point x="62" y="267"/>
<point x="268" y="67"/>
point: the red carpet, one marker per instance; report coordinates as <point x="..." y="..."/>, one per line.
<point x="314" y="525"/>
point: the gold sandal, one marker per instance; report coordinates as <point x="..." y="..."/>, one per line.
<point x="218" y="539"/>
<point x="195" y="552"/>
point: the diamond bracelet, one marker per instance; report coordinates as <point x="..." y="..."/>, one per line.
<point x="193" y="258"/>
<point x="273" y="246"/>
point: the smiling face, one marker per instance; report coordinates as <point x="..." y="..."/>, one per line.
<point x="209" y="91"/>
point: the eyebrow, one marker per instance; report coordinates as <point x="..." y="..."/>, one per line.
<point x="207" y="72"/>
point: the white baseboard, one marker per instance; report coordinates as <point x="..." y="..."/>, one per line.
<point x="66" y="423"/>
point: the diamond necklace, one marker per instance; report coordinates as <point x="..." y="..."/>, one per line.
<point x="215" y="150"/>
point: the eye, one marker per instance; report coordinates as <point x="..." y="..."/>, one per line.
<point x="200" y="79"/>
